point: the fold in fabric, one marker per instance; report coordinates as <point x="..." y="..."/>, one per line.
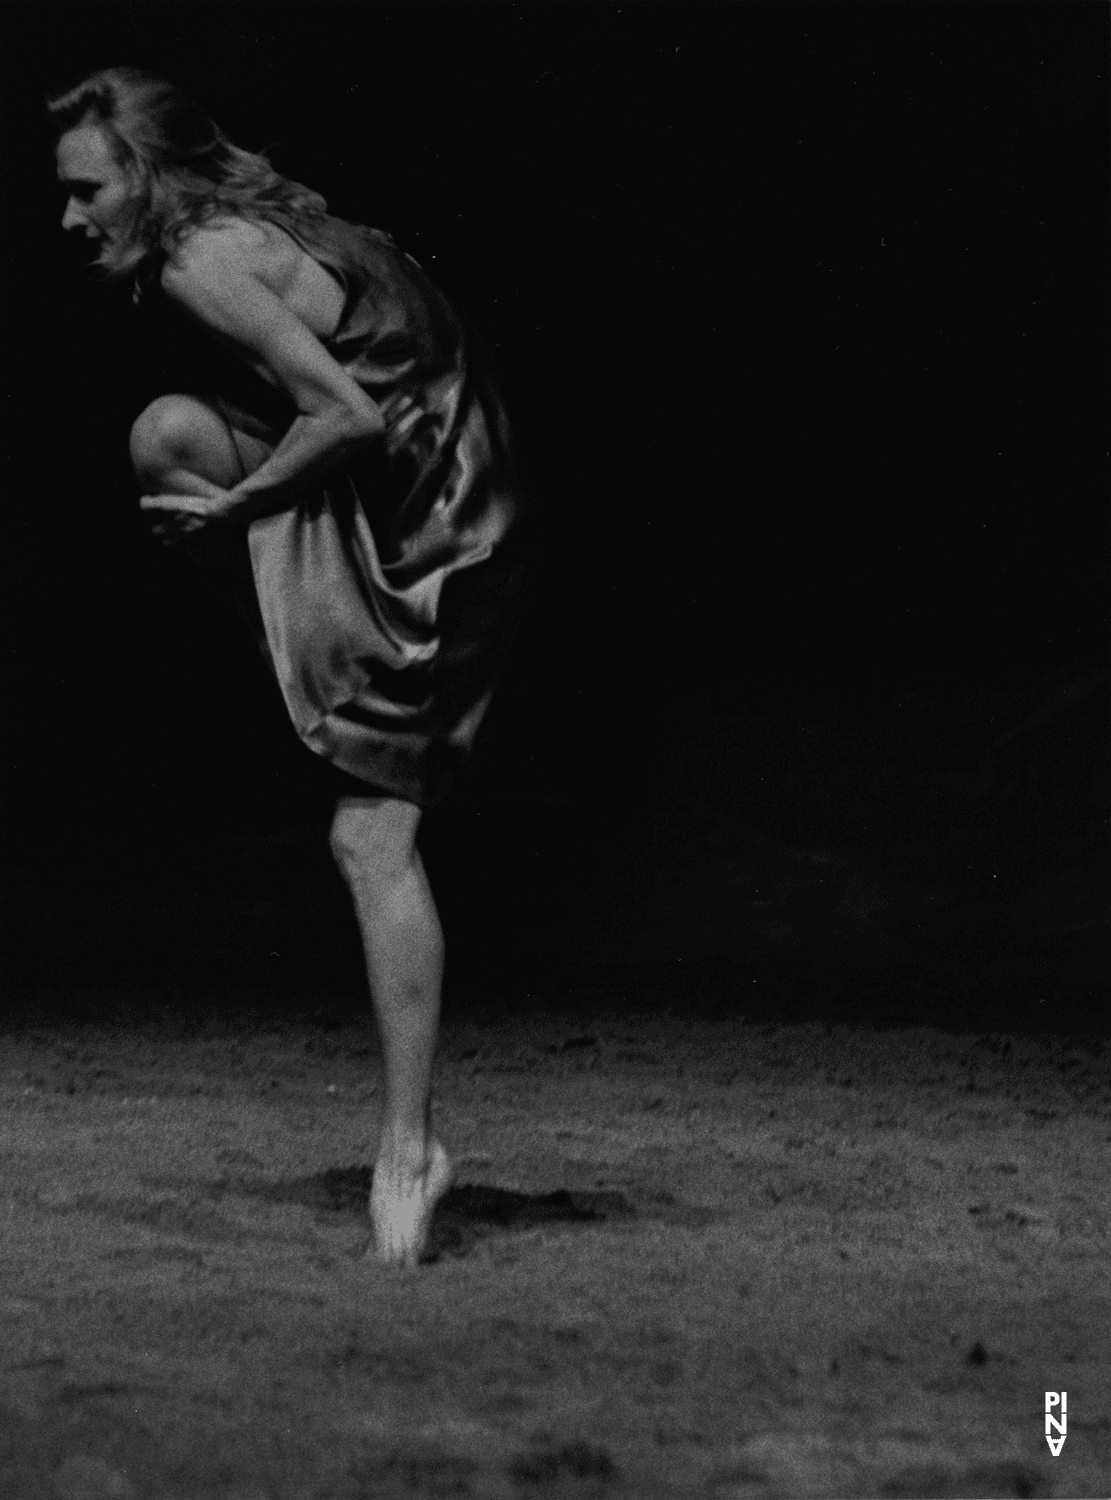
<point x="386" y="597"/>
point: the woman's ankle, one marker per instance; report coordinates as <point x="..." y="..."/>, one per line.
<point x="405" y="1147"/>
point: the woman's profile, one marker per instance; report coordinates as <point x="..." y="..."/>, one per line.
<point x="363" y="501"/>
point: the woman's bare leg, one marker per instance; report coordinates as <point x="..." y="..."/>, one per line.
<point x="180" y="445"/>
<point x="373" y="840"/>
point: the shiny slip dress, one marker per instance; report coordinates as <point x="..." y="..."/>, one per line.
<point x="385" y="598"/>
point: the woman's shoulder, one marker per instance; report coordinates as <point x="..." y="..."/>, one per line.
<point x="248" y="244"/>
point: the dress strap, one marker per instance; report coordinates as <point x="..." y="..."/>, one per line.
<point x="331" y="264"/>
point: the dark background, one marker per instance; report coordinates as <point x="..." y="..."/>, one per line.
<point x="802" y="316"/>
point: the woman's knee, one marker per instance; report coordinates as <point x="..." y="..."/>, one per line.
<point x="182" y="432"/>
<point x="374" y="838"/>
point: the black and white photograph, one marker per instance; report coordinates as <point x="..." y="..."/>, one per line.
<point x="556" y="750"/>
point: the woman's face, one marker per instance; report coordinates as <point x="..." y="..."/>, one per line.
<point x="99" y="190"/>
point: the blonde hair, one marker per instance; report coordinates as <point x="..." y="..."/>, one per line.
<point x="184" y="169"/>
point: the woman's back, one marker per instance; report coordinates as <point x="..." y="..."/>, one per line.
<point x="267" y="250"/>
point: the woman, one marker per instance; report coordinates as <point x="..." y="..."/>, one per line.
<point x="364" y="497"/>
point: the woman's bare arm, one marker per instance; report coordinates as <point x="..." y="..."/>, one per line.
<point x="212" y="280"/>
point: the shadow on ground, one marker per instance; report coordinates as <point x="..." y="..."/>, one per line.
<point x="468" y="1213"/>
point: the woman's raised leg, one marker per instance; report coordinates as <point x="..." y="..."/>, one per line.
<point x="374" y="843"/>
<point x="182" y="446"/>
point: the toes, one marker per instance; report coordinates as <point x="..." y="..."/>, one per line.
<point x="399" y="1249"/>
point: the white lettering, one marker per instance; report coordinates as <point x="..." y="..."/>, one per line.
<point x="1059" y="1399"/>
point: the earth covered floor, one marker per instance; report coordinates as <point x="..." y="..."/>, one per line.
<point x="687" y="1254"/>
<point x="781" y="1116"/>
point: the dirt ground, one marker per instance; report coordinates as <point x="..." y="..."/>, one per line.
<point x="686" y="1255"/>
<point x="731" y="1219"/>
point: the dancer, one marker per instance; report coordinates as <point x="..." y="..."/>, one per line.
<point x="361" y="498"/>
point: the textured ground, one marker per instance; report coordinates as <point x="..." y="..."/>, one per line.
<point x="731" y="1218"/>
<point x="687" y="1255"/>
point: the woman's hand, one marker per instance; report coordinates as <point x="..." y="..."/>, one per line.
<point x="178" y="516"/>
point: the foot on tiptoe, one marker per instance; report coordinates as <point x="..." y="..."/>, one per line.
<point x="408" y="1183"/>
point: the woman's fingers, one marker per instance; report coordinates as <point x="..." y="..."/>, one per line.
<point x="394" y="405"/>
<point x="174" y="517"/>
<point x="402" y="414"/>
<point x="409" y="421"/>
<point x="172" y="528"/>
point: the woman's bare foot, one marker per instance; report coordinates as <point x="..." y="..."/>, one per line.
<point x="407" y="1186"/>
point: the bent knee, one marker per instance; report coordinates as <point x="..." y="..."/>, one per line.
<point x="165" y="431"/>
<point x="182" y="432"/>
<point x="374" y="840"/>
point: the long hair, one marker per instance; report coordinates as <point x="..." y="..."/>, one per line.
<point x="184" y="170"/>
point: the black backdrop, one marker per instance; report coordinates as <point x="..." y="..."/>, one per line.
<point x="801" y="313"/>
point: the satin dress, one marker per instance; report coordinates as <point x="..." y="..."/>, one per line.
<point x="385" y="599"/>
